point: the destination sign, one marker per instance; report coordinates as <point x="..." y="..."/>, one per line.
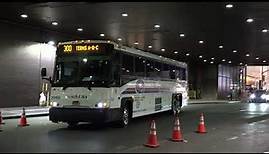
<point x="83" y="48"/>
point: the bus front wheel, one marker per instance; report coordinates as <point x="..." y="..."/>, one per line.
<point x="125" y="115"/>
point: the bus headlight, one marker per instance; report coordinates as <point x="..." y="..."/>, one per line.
<point x="263" y="96"/>
<point x="102" y="104"/>
<point x="55" y="104"/>
<point x="252" y="96"/>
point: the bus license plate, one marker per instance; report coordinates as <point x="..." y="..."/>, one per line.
<point x="75" y="103"/>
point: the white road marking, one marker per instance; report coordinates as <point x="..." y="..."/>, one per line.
<point x="244" y="134"/>
<point x="232" y="138"/>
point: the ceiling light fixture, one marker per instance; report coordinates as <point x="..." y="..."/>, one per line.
<point x="124" y="14"/>
<point x="102" y="34"/>
<point x="212" y="58"/>
<point x="136" y="43"/>
<point x="265" y="30"/>
<point x="249" y="20"/>
<point x="162" y="49"/>
<point x="234" y="51"/>
<point x="205" y="60"/>
<point x="220" y="46"/>
<point x="200" y="56"/>
<point x="201" y="42"/>
<point x="229" y="5"/>
<point x="119" y="39"/>
<point x="230" y="62"/>
<point x="187" y="54"/>
<point x="175" y="52"/>
<point x="182" y="35"/>
<point x="257" y="58"/>
<point x="24" y="15"/>
<point x="157" y="26"/>
<point x="54" y="23"/>
<point x="150" y="46"/>
<point x="211" y="62"/>
<point x="223" y="60"/>
<point x="247" y="55"/>
<point x="264" y="61"/>
<point x="80" y="29"/>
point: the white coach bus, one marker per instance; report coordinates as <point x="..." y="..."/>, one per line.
<point x="102" y="81"/>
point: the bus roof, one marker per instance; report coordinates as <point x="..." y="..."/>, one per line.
<point x="131" y="50"/>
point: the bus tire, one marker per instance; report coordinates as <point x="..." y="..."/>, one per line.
<point x="125" y="115"/>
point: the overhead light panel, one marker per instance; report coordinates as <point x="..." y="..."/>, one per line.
<point x="220" y="46"/>
<point x="230" y="62"/>
<point x="150" y="46"/>
<point x="102" y="34"/>
<point x="211" y="62"/>
<point x="264" y="61"/>
<point x="181" y="35"/>
<point x="234" y="51"/>
<point x="223" y="60"/>
<point x="187" y="54"/>
<point x="200" y="56"/>
<point x="229" y="6"/>
<point x="119" y="39"/>
<point x="201" y="42"/>
<point x="247" y="54"/>
<point x="136" y="43"/>
<point x="54" y="23"/>
<point x="175" y="52"/>
<point x="157" y="26"/>
<point x="205" y="60"/>
<point x="257" y="58"/>
<point x="249" y="20"/>
<point x="80" y="29"/>
<point x="124" y="14"/>
<point x="265" y="30"/>
<point x="24" y="15"/>
<point x="212" y="58"/>
<point x="162" y="49"/>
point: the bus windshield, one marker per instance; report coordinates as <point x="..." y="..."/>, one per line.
<point x="86" y="72"/>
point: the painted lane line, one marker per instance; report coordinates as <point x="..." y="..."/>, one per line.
<point x="232" y="138"/>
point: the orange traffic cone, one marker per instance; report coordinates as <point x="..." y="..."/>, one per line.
<point x="1" y="119"/>
<point x="23" y="121"/>
<point x="176" y="135"/>
<point x="152" y="139"/>
<point x="201" y="126"/>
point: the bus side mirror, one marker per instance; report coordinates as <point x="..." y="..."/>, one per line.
<point x="43" y="72"/>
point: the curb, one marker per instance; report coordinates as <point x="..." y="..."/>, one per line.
<point x="30" y="115"/>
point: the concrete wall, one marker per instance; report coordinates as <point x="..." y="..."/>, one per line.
<point x="22" y="54"/>
<point x="204" y="77"/>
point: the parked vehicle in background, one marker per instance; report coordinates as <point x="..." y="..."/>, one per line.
<point x="259" y="96"/>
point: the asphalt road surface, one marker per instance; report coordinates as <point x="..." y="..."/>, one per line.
<point x="231" y="127"/>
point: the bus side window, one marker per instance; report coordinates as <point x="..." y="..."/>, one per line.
<point x="150" y="68"/>
<point x="165" y="72"/>
<point x="172" y="73"/>
<point x="127" y="64"/>
<point x="139" y="66"/>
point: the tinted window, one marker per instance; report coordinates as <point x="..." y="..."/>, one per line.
<point x="139" y="66"/>
<point x="127" y="64"/>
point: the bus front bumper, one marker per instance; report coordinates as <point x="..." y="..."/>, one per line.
<point x="61" y="114"/>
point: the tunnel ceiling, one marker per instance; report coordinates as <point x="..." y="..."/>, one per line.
<point x="210" y="22"/>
